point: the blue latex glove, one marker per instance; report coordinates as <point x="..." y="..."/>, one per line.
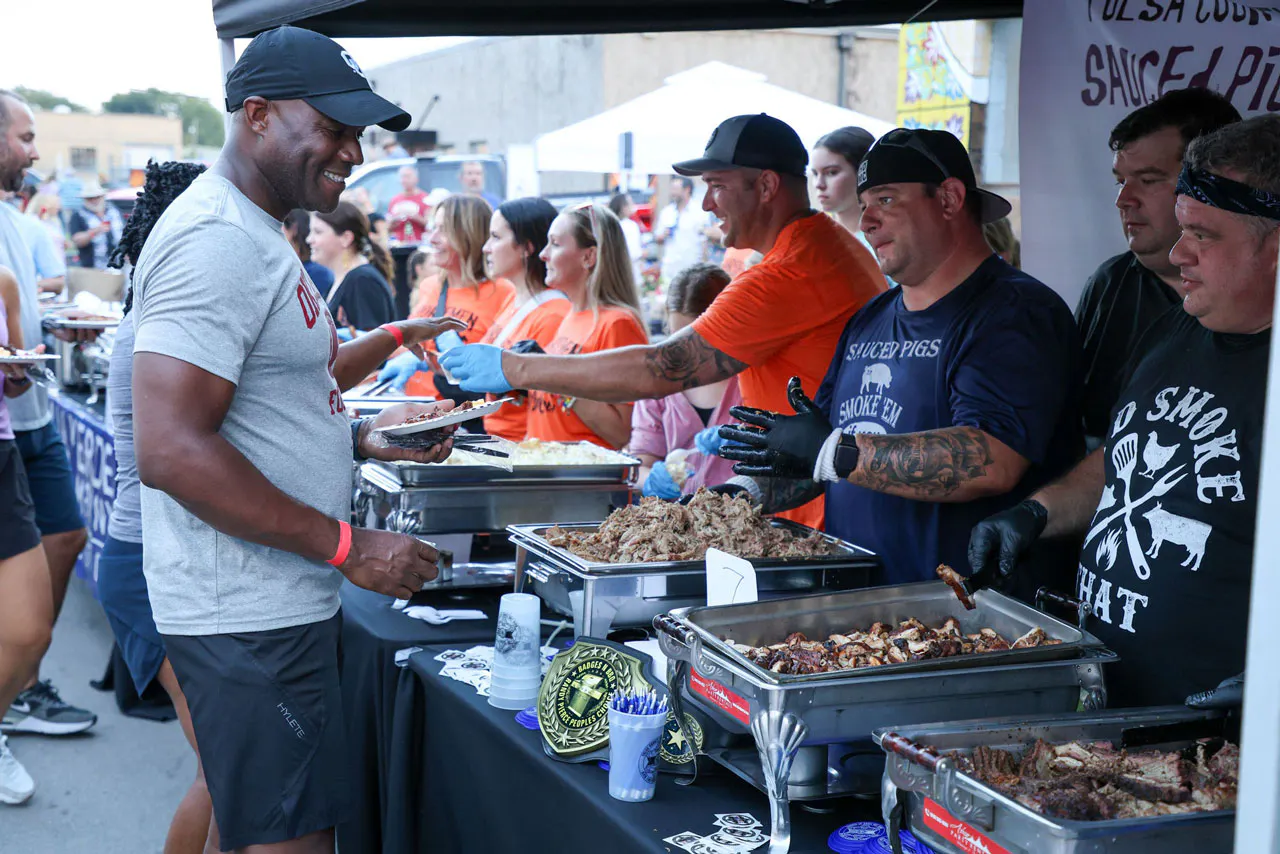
<point x="477" y="368"/>
<point x="400" y="369"/>
<point x="709" y="441"/>
<point x="660" y="484"/>
<point x="446" y="341"/>
<point x="344" y="334"/>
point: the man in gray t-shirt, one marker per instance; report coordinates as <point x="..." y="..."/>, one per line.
<point x="244" y="447"/>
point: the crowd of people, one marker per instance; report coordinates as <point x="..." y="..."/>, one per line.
<point x="880" y="369"/>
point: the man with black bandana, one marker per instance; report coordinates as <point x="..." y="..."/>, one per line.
<point x="1129" y="291"/>
<point x="1168" y="505"/>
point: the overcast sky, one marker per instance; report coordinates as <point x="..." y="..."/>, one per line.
<point x="88" y="50"/>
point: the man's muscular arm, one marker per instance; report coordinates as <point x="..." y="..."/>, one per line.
<point x="685" y="360"/>
<point x="954" y="464"/>
<point x="1072" y="499"/>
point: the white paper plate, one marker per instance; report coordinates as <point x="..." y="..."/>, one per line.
<point x="29" y="358"/>
<point x="64" y="323"/>
<point x="445" y="420"/>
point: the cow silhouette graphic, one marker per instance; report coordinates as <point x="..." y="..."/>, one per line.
<point x="1180" y="530"/>
<point x="876" y="376"/>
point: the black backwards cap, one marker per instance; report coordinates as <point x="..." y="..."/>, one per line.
<point x="918" y="156"/>
<point x="290" y="63"/>
<point x="751" y="142"/>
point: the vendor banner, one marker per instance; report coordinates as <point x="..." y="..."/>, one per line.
<point x="1086" y="64"/>
<point x="93" y="467"/>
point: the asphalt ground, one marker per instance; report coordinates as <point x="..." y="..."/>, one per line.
<point x="111" y="790"/>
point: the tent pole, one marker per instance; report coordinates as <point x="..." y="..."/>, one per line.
<point x="1256" y="819"/>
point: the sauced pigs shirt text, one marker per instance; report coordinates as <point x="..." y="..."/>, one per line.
<point x="1170" y="549"/>
<point x="1000" y="354"/>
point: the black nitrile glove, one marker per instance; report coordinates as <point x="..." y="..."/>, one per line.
<point x="730" y="489"/>
<point x="776" y="445"/>
<point x="998" y="541"/>
<point x="1228" y="695"/>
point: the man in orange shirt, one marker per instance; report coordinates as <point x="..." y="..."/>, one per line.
<point x="781" y="318"/>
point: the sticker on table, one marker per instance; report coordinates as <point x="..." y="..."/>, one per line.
<point x="748" y="835"/>
<point x="451" y="655"/>
<point x="954" y="830"/>
<point x="737" y="819"/>
<point x="706" y="846"/>
<point x="684" y="840"/>
<point x="727" y="841"/>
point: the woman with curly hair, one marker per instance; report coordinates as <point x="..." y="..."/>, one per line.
<point x="122" y="588"/>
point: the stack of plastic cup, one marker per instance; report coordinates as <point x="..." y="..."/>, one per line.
<point x="516" y="674"/>
<point x="634" y="741"/>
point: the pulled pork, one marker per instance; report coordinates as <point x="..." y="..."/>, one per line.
<point x="656" y="530"/>
<point x="881" y="644"/>
<point x="1092" y="781"/>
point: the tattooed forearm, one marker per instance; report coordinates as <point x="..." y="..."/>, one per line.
<point x="780" y="494"/>
<point x="935" y="465"/>
<point x="687" y="359"/>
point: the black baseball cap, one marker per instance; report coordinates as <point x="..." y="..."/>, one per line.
<point x="919" y="156"/>
<point x="751" y="142"/>
<point x="290" y="63"/>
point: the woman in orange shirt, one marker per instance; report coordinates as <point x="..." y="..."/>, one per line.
<point x="517" y="236"/>
<point x="586" y="258"/>
<point x="462" y="289"/>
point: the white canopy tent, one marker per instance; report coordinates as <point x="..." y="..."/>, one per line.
<point x="674" y="122"/>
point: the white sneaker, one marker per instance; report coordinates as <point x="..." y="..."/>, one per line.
<point x="16" y="784"/>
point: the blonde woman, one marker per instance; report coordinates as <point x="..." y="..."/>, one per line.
<point x="461" y="289"/>
<point x="587" y="260"/>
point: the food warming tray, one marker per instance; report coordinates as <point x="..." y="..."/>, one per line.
<point x="632" y="594"/>
<point x="764" y="623"/>
<point x="418" y="474"/>
<point x="955" y="814"/>
<point x="793" y="719"/>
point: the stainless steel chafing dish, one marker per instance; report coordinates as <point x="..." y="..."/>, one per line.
<point x="449" y="503"/>
<point x="956" y="814"/>
<point x="796" y="721"/>
<point x="632" y="594"/>
<point x="448" y="499"/>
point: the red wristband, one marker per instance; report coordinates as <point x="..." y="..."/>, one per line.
<point x="344" y="544"/>
<point x="394" y="332"/>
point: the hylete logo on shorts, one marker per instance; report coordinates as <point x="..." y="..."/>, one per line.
<point x="291" y="721"/>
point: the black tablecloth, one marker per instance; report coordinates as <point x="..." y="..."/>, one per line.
<point x="371" y="634"/>
<point x="479" y="782"/>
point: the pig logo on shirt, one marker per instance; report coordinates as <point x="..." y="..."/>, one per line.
<point x="877" y="377"/>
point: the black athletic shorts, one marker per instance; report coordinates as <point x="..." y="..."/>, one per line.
<point x="18" y="531"/>
<point x="268" y="719"/>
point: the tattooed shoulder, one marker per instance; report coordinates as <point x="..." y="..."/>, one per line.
<point x="686" y="358"/>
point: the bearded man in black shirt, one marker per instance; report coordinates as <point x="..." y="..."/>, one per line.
<point x="1168" y="506"/>
<point x="1128" y="292"/>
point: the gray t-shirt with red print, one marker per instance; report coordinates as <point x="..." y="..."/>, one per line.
<point x="219" y="287"/>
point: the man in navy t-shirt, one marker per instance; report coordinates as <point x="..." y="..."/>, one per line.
<point x="948" y="398"/>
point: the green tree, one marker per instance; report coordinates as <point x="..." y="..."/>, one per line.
<point x="201" y="121"/>
<point x="47" y="100"/>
